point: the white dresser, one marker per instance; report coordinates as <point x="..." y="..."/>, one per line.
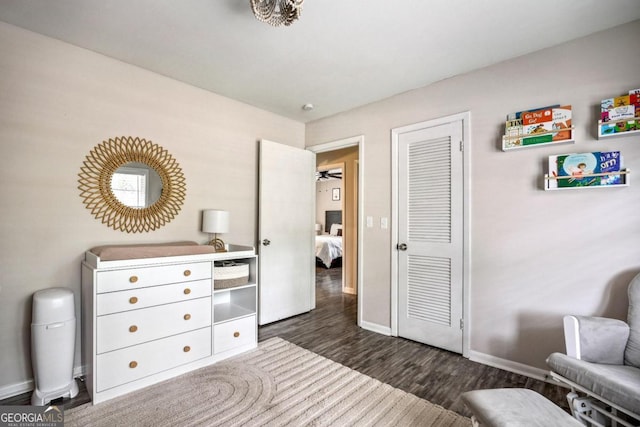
<point x="147" y="320"/>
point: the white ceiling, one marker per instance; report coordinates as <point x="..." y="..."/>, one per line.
<point x="341" y="53"/>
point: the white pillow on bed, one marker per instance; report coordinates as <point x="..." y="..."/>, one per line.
<point x="334" y="229"/>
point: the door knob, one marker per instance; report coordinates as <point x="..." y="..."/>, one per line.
<point x="266" y="242"/>
<point x="401" y="246"/>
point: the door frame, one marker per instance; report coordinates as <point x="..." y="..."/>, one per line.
<point x="337" y="145"/>
<point x="465" y="118"/>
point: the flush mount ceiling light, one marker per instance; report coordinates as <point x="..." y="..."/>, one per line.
<point x="277" y="12"/>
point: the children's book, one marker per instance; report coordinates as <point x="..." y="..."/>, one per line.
<point x="622" y="113"/>
<point x="586" y="169"/>
<point x="616" y="112"/>
<point x="561" y="119"/>
<point x="606" y="104"/>
<point x="537" y="116"/>
<point x="518" y="114"/>
<point x="620" y="126"/>
<point x="621" y="101"/>
<point x="634" y="98"/>
<point x="537" y="126"/>
<point x="513" y="133"/>
<point x="610" y="161"/>
<point x="575" y="170"/>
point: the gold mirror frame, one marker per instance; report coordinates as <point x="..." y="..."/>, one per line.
<point x="95" y="184"/>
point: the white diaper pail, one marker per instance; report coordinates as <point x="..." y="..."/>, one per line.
<point x="53" y="336"/>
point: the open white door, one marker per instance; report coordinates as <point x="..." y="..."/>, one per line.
<point x="286" y="231"/>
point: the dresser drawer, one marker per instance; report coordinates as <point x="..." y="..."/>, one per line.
<point x="132" y="363"/>
<point x="133" y="299"/>
<point x="235" y="333"/>
<point x="129" y="328"/>
<point x="140" y="277"/>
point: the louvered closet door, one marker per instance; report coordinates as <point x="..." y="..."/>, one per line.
<point x="430" y="219"/>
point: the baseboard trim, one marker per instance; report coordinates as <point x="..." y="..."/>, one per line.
<point x="511" y="366"/>
<point x="374" y="327"/>
<point x="16" y="389"/>
<point x="485" y="359"/>
<point x="11" y="390"/>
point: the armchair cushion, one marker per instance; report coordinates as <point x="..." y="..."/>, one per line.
<point x="620" y="384"/>
<point x="632" y="352"/>
<point x="600" y="340"/>
<point x="516" y="407"/>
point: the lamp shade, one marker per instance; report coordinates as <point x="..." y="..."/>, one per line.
<point x="215" y="221"/>
<point x="318" y="227"/>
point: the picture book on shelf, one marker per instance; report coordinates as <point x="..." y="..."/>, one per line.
<point x="610" y="161"/>
<point x="634" y="98"/>
<point x="518" y="115"/>
<point x="537" y="126"/>
<point x="586" y="169"/>
<point x="620" y="114"/>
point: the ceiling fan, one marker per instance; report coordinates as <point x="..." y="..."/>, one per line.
<point x="329" y="174"/>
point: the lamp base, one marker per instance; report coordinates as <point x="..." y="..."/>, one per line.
<point x="218" y="245"/>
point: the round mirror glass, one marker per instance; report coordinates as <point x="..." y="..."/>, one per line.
<point x="136" y="185"/>
<point x="131" y="184"/>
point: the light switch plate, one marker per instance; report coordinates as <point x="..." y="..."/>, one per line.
<point x="369" y="221"/>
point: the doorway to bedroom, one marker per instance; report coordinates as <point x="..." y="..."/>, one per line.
<point x="339" y="183"/>
<point x="337" y="177"/>
<point x="331" y="225"/>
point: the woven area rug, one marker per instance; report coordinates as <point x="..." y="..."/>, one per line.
<point x="278" y="384"/>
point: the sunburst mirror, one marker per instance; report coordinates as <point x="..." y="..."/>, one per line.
<point x="131" y="184"/>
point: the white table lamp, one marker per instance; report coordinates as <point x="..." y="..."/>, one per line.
<point x="213" y="222"/>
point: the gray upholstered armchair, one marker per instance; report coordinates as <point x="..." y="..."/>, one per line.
<point x="602" y="366"/>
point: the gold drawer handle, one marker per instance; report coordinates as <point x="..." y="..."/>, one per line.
<point x="133" y="364"/>
<point x="187" y="316"/>
<point x="133" y="300"/>
<point x="187" y="291"/>
<point x="133" y="328"/>
<point x="133" y="279"/>
<point x="187" y="273"/>
<point x="236" y="334"/>
<point x="186" y="349"/>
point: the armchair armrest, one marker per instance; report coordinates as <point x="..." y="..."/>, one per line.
<point x="596" y="339"/>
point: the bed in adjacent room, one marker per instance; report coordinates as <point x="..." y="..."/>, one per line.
<point x="329" y="246"/>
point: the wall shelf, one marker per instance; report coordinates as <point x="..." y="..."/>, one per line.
<point x="538" y="127"/>
<point x="620" y="116"/>
<point x="604" y="133"/>
<point x="624" y="175"/>
<point x="576" y="171"/>
<point x="508" y="145"/>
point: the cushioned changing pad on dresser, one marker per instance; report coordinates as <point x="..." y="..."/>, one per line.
<point x="121" y="252"/>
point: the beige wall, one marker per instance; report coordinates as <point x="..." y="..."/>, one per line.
<point x="324" y="201"/>
<point x="57" y="101"/>
<point x="535" y="255"/>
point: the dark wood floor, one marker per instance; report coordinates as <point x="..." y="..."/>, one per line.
<point x="330" y="330"/>
<point x="436" y="375"/>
